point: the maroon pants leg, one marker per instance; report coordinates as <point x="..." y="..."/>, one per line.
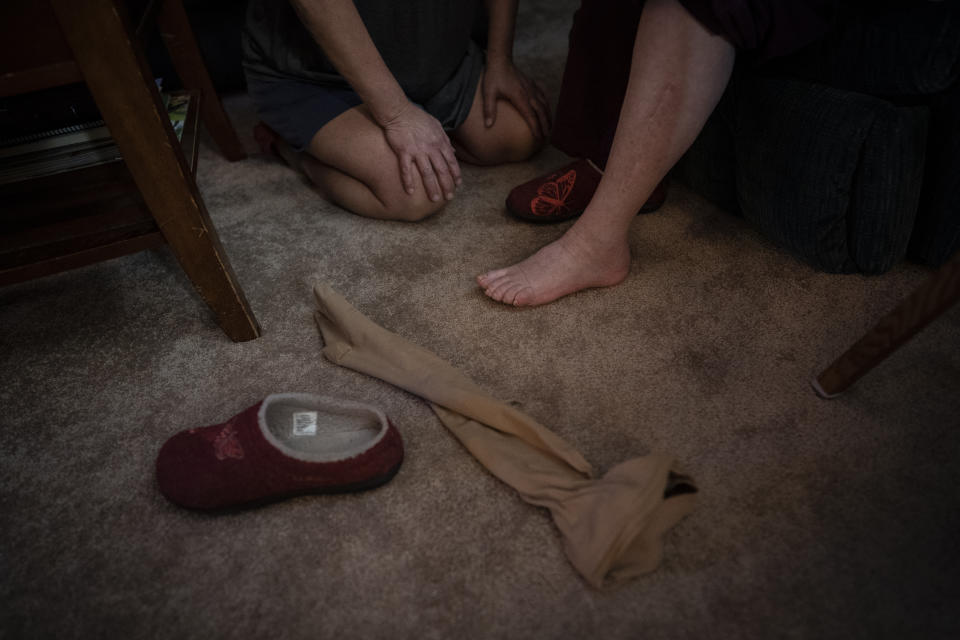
<point x="601" y="50"/>
<point x="595" y="77"/>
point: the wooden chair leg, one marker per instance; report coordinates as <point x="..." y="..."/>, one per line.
<point x="116" y="73"/>
<point x="185" y="54"/>
<point x="932" y="298"/>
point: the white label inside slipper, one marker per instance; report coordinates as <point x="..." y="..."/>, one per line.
<point x="305" y="423"/>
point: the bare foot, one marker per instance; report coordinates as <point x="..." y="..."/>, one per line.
<point x="564" y="266"/>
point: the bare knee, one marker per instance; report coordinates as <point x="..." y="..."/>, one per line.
<point x="520" y="145"/>
<point x="413" y="212"/>
<point x="400" y="205"/>
<point x="509" y="140"/>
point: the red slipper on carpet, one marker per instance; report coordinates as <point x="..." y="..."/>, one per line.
<point x="289" y="444"/>
<point x="564" y="194"/>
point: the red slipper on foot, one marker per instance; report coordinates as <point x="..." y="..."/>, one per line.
<point x="564" y="194"/>
<point x="289" y="444"/>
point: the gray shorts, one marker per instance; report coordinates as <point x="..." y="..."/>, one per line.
<point x="296" y="108"/>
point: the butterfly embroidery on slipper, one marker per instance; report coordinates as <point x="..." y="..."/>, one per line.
<point x="551" y="198"/>
<point x="227" y="444"/>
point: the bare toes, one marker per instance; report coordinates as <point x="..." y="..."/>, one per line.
<point x="523" y="297"/>
<point x="515" y="294"/>
<point x="499" y="288"/>
<point x="491" y="276"/>
<point x="485" y="279"/>
<point x="495" y="283"/>
<point x="508" y="292"/>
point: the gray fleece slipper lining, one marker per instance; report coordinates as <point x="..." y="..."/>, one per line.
<point x="344" y="429"/>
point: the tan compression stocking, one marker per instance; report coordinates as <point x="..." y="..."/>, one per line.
<point x="611" y="526"/>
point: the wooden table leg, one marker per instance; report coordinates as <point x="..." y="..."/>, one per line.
<point x="114" y="68"/>
<point x="185" y="54"/>
<point x="932" y="298"/>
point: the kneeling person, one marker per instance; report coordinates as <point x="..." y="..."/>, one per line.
<point x="374" y="100"/>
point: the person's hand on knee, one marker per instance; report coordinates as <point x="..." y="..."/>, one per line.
<point x="502" y="80"/>
<point x="421" y="145"/>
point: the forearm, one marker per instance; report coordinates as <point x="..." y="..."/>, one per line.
<point x="503" y="18"/>
<point x="338" y="29"/>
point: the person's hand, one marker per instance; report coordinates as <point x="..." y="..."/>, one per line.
<point x="503" y="80"/>
<point x="421" y="144"/>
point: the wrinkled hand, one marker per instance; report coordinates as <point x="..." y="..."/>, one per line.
<point x="503" y="80"/>
<point x="421" y="144"/>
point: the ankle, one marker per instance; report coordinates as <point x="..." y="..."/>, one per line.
<point x="598" y="239"/>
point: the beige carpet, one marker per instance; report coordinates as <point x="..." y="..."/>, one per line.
<point x="816" y="519"/>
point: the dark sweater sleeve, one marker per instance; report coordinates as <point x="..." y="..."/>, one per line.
<point x="765" y="28"/>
